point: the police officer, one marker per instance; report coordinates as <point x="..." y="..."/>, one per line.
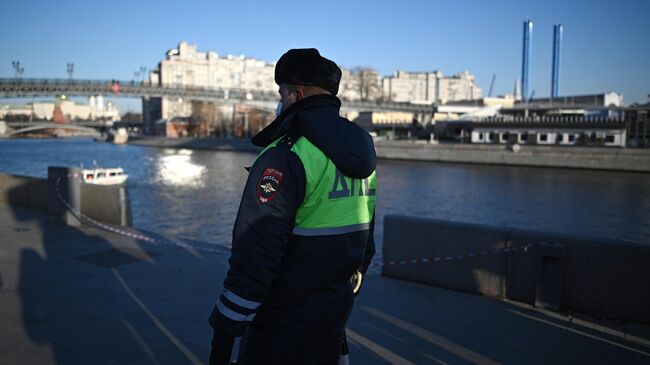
<point x="304" y="227"/>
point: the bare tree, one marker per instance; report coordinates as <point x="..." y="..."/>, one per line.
<point x="250" y="120"/>
<point x="203" y="118"/>
<point x="367" y="81"/>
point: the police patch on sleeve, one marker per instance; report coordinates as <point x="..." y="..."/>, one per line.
<point x="269" y="184"/>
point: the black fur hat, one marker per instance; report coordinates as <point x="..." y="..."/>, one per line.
<point x="305" y="66"/>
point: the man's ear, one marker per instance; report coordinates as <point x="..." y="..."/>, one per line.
<point x="300" y="93"/>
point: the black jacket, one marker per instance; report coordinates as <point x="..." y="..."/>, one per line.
<point x="277" y="279"/>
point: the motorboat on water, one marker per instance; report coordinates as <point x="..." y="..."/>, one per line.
<point x="121" y="136"/>
<point x="104" y="176"/>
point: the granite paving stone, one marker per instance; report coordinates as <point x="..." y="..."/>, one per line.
<point x="39" y="355"/>
<point x="189" y="351"/>
<point x="125" y="353"/>
<point x="57" y="309"/>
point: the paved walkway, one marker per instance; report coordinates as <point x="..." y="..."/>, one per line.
<point x="85" y="296"/>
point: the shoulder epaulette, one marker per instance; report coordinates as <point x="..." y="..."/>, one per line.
<point x="289" y="140"/>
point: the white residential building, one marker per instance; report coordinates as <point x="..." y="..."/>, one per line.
<point x="429" y="87"/>
<point x="186" y="66"/>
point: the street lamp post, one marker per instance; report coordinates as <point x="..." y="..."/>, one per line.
<point x="18" y="70"/>
<point x="70" y="70"/>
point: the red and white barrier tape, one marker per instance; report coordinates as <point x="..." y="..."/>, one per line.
<point x="427" y="260"/>
<point x="80" y="216"/>
<point x="221" y="249"/>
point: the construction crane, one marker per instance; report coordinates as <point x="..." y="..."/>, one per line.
<point x="494" y="77"/>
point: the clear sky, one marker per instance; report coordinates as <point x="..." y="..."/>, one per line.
<point x="605" y="42"/>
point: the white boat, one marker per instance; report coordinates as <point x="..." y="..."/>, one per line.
<point x="120" y="136"/>
<point x="101" y="176"/>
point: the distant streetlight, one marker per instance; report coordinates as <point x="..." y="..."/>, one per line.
<point x="140" y="74"/>
<point x="18" y="70"/>
<point x="70" y="70"/>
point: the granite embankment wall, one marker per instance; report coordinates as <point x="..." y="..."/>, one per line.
<point x="603" y="278"/>
<point x="602" y="158"/>
<point x="219" y="144"/>
<point x="108" y="204"/>
<point x="614" y="159"/>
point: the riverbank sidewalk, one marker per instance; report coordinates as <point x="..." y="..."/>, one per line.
<point x="80" y="295"/>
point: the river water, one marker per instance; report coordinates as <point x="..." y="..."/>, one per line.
<point x="194" y="195"/>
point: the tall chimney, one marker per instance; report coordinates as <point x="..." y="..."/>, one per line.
<point x="558" y="29"/>
<point x="525" y="62"/>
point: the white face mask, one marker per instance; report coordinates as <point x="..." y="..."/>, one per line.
<point x="280" y="107"/>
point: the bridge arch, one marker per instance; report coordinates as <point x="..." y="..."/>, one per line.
<point x="45" y="126"/>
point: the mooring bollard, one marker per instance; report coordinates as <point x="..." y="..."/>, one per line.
<point x="551" y="272"/>
<point x="63" y="185"/>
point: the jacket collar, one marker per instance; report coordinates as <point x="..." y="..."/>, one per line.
<point x="282" y="124"/>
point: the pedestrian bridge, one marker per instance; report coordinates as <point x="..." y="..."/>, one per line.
<point x="23" y="88"/>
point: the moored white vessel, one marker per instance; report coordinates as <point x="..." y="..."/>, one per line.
<point x="104" y="176"/>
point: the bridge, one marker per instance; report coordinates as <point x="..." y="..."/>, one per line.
<point x="20" y="88"/>
<point x="89" y="128"/>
